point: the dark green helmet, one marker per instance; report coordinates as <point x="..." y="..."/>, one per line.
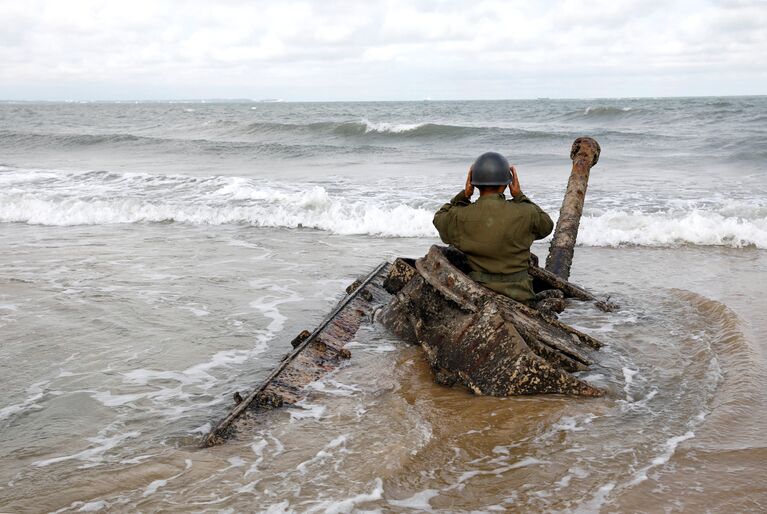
<point x="490" y="169"/>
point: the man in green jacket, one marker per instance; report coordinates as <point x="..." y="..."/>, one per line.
<point x="495" y="233"/>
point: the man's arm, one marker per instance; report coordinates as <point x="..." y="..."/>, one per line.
<point x="541" y="224"/>
<point x="445" y="216"/>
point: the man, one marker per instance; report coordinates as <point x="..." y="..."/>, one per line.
<point x="495" y="234"/>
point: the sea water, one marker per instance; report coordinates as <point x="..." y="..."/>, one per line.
<point x="157" y="257"/>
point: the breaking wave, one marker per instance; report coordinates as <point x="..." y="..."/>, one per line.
<point x="361" y="128"/>
<point x="423" y="130"/>
<point x="270" y="138"/>
<point x="601" y="113"/>
<point x="313" y="210"/>
<point x="600" y="110"/>
<point x="696" y="227"/>
<point x="97" y="197"/>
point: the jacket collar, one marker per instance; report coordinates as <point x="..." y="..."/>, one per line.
<point x="497" y="196"/>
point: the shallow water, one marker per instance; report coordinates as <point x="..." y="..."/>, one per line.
<point x="136" y="299"/>
<point x="117" y="417"/>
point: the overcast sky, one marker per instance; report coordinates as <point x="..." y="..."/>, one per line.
<point x="380" y="50"/>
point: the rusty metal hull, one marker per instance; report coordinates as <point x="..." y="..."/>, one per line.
<point x="470" y="335"/>
<point x="477" y="338"/>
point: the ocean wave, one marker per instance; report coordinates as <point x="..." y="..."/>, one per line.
<point x="695" y="227"/>
<point x="313" y="209"/>
<point x="601" y="112"/>
<point x="196" y="146"/>
<point x="361" y="128"/>
<point x="409" y="130"/>
<point x="277" y="139"/>
<point x="92" y="198"/>
<point x="63" y="139"/>
<point x="288" y="140"/>
<point x="605" y="110"/>
<point x="399" y="128"/>
<point x="97" y="198"/>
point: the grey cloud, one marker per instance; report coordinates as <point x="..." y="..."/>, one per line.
<point x="377" y="49"/>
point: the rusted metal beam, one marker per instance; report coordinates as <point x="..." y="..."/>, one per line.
<point x="314" y="355"/>
<point x="584" y="154"/>
<point x="569" y="289"/>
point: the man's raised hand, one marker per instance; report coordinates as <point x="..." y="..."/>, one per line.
<point x="514" y="188"/>
<point x="468" y="189"/>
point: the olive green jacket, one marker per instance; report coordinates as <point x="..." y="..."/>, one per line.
<point x="494" y="233"/>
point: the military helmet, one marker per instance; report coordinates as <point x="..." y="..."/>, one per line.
<point x="490" y="169"/>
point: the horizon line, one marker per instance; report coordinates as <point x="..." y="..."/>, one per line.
<point x="279" y="100"/>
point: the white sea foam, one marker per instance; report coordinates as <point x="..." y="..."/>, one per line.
<point x="337" y="215"/>
<point x="224" y="358"/>
<point x="419" y="501"/>
<point x="279" y="508"/>
<point x="306" y="410"/>
<point x="258" y="449"/>
<point x="157" y="484"/>
<point x="571" y="424"/>
<point x="35" y="392"/>
<point x="108" y="198"/>
<point x="597" y="501"/>
<point x="268" y="304"/>
<point x="157" y="391"/>
<point x="197" y="312"/>
<point x="322" y="455"/>
<point x="628" y="377"/>
<point x="349" y="504"/>
<point x="667" y="451"/>
<point x="527" y="461"/>
<point x="94" y="506"/>
<point x="392" y="128"/>
<point x="333" y="387"/>
<point x="94" y="454"/>
<point x="153" y="487"/>
<point x="202" y="429"/>
<point x="460" y="482"/>
<point x="696" y="227"/>
<point x="249" y="487"/>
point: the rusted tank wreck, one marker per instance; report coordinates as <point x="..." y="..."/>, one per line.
<point x="470" y="335"/>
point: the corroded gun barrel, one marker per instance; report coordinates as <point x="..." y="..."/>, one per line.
<point x="584" y="154"/>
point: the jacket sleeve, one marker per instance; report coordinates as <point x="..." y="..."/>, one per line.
<point x="444" y="219"/>
<point x="540" y="223"/>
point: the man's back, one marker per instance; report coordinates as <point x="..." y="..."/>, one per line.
<point x="495" y="234"/>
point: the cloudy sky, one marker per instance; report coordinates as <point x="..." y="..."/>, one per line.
<point x="380" y="50"/>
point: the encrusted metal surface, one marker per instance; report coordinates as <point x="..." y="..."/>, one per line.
<point x="483" y="340"/>
<point x="584" y="154"/>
